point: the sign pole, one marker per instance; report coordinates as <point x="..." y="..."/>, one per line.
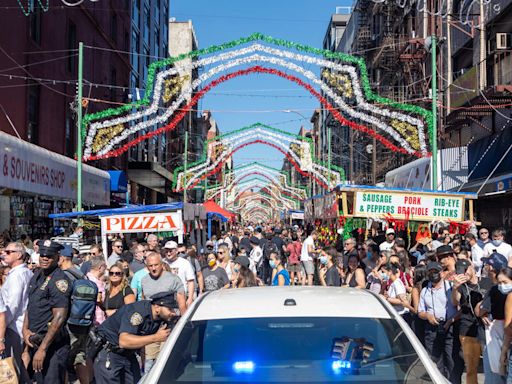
<point x="329" y="153"/>
<point x="79" y="150"/>
<point x="185" y="164"/>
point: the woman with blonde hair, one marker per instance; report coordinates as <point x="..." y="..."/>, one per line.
<point x="118" y="292"/>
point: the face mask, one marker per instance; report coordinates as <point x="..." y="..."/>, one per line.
<point x="272" y="264"/>
<point x="434" y="277"/>
<point x="323" y="260"/>
<point x="212" y="262"/>
<point x="236" y="270"/>
<point x="505" y="288"/>
<point x="369" y="255"/>
<point x="181" y="254"/>
<point x="384" y="276"/>
<point x="497" y="243"/>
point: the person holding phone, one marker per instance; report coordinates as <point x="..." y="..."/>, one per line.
<point x="466" y="294"/>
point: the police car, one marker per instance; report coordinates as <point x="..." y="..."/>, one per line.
<point x="292" y="334"/>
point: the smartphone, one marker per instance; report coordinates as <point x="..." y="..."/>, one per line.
<point x="460" y="269"/>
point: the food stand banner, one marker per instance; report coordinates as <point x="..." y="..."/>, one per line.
<point x="409" y="206"/>
<point x="145" y="222"/>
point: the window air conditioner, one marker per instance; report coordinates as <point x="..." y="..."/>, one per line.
<point x="502" y="41"/>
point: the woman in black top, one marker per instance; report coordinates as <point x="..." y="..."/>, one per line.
<point x="354" y="274"/>
<point x="118" y="292"/>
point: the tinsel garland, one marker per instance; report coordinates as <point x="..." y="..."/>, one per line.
<point x="427" y="115"/>
<point x="261" y="58"/>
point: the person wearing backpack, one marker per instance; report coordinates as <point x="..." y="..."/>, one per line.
<point x="269" y="247"/>
<point x="84" y="294"/>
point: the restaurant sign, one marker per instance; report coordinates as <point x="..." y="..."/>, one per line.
<point x="409" y="206"/>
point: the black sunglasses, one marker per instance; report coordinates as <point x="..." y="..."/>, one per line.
<point x="115" y="273"/>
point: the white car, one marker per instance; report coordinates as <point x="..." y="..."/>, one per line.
<point x="292" y="334"/>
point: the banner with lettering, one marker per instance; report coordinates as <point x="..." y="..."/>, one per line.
<point x="143" y="222"/>
<point x="409" y="206"/>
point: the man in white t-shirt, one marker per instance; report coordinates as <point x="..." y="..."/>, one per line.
<point x="307" y="255"/>
<point x="498" y="245"/>
<point x="390" y="240"/>
<point x="182" y="268"/>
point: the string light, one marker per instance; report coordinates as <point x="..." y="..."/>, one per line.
<point x="357" y="65"/>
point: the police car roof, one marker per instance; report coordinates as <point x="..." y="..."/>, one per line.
<point x="289" y="302"/>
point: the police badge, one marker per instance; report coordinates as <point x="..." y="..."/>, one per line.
<point x="62" y="285"/>
<point x="136" y="319"/>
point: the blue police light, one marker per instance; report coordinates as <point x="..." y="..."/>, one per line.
<point x="243" y="367"/>
<point x="339" y="365"/>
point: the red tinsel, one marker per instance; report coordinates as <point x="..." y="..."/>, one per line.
<point x="255" y="69"/>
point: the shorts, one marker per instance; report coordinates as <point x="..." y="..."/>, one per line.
<point x="309" y="267"/>
<point x="78" y="342"/>
<point x="295" y="268"/>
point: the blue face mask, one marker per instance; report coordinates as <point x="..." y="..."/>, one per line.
<point x="505" y="288"/>
<point x="323" y="260"/>
<point x="384" y="276"/>
<point x="497" y="243"/>
<point x="272" y="264"/>
<point x="369" y="254"/>
<point x="236" y="270"/>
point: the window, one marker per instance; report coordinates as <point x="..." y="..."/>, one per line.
<point x="156" y="43"/>
<point x="157" y="10"/>
<point x="113" y="82"/>
<point x="362" y="350"/>
<point x="113" y="28"/>
<point x="72" y="44"/>
<point x="135" y="51"/>
<point x="147" y="23"/>
<point x="136" y="11"/>
<point x="147" y="61"/>
<point x="69" y="147"/>
<point x="33" y="113"/>
<point x="35" y="25"/>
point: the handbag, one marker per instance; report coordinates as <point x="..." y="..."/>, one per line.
<point x="8" y="374"/>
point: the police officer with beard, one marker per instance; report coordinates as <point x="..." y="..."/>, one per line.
<point x="131" y="328"/>
<point x="43" y="328"/>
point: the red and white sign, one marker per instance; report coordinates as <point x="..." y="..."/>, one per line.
<point x="142" y="222"/>
<point x="27" y="167"/>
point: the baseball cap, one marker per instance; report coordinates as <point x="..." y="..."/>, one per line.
<point x="390" y="231"/>
<point x="164" y="299"/>
<point x="496" y="260"/>
<point x="434" y="265"/>
<point x="171" y="245"/>
<point x="463" y="263"/>
<point x="254" y="240"/>
<point x="243" y="261"/>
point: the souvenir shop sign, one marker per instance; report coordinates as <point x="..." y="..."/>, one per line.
<point x="144" y="222"/>
<point x="409" y="206"/>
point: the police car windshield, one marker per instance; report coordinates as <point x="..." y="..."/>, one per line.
<point x="307" y="350"/>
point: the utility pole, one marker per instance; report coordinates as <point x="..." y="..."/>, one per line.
<point x="434" y="109"/>
<point x="185" y="164"/>
<point x="79" y="149"/>
<point x="329" y="153"/>
<point x="374" y="161"/>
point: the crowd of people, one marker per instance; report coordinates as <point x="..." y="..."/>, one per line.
<point x="68" y="316"/>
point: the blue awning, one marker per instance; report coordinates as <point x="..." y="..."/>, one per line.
<point x="120" y="211"/>
<point x="118" y="181"/>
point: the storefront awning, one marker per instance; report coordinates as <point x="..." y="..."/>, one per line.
<point x="118" y="181"/>
<point x="213" y="208"/>
<point x="121" y="211"/>
<point x="30" y="168"/>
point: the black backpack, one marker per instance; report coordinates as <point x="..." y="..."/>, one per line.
<point x="268" y="248"/>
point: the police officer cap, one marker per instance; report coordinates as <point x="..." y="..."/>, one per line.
<point x="49" y="248"/>
<point x="164" y="299"/>
<point x="496" y="260"/>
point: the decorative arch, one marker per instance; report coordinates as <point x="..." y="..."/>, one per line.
<point x="401" y="127"/>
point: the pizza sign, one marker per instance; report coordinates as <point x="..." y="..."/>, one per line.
<point x="146" y="222"/>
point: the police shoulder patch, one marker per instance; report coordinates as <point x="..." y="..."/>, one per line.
<point x="136" y="319"/>
<point x="62" y="285"/>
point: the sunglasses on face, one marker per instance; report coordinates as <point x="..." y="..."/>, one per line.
<point x="115" y="273"/>
<point x="118" y="246"/>
<point x="9" y="251"/>
<point x="484" y="233"/>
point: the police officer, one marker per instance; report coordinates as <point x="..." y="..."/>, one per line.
<point x="43" y="327"/>
<point x="132" y="327"/>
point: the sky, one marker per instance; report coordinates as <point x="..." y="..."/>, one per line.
<point x="258" y="98"/>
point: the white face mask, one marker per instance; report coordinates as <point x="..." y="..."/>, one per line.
<point x="505" y="288"/>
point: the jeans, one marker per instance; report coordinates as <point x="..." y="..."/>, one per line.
<point x="490" y="376"/>
<point x="471" y="349"/>
<point x="439" y="345"/>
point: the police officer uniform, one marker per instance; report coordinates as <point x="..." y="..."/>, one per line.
<point x="48" y="289"/>
<point x="117" y="365"/>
